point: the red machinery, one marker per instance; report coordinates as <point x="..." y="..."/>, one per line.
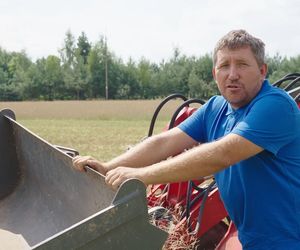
<point x="197" y="206"/>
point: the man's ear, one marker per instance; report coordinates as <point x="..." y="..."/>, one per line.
<point x="264" y="70"/>
<point x="213" y="71"/>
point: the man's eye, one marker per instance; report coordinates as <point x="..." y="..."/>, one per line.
<point x="243" y="64"/>
<point x="223" y="66"/>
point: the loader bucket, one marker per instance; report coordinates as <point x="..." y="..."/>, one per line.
<point x="46" y="204"/>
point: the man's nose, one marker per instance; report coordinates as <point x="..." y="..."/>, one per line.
<point x="233" y="73"/>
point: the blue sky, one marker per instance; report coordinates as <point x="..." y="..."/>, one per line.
<point x="150" y="29"/>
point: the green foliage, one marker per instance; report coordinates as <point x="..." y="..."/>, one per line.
<point x="13" y="75"/>
<point x="83" y="47"/>
<point x="96" y="70"/>
<point x="83" y="71"/>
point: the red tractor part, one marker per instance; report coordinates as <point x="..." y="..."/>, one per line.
<point x="197" y="204"/>
<point x="230" y="240"/>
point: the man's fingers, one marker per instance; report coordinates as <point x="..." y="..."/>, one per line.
<point x="111" y="177"/>
<point x="114" y="181"/>
<point x="80" y="162"/>
<point x="77" y="163"/>
<point x="116" y="184"/>
<point x="93" y="164"/>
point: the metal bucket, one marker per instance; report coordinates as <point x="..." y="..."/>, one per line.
<point x="46" y="204"/>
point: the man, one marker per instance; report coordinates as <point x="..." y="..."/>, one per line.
<point x="249" y="138"/>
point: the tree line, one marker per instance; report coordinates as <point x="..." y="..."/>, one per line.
<point x="85" y="70"/>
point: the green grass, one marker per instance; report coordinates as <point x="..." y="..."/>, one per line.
<point x="102" y="129"/>
<point x="102" y="139"/>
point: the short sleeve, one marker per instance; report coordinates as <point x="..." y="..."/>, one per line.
<point x="270" y="123"/>
<point x="193" y="126"/>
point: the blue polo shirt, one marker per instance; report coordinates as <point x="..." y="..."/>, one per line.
<point x="262" y="193"/>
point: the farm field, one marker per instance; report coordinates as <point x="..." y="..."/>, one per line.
<point x="102" y="129"/>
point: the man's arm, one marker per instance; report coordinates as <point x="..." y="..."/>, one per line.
<point x="148" y="152"/>
<point x="203" y="160"/>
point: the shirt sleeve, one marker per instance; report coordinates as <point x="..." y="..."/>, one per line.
<point x="271" y="123"/>
<point x="194" y="125"/>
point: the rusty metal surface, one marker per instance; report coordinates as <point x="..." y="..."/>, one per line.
<point x="41" y="194"/>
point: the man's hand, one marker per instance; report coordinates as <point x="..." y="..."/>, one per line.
<point x="114" y="178"/>
<point x="81" y="162"/>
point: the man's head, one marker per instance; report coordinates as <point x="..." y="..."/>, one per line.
<point x="239" y="67"/>
<point x="236" y="39"/>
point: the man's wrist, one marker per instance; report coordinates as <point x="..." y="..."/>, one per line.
<point x="106" y="167"/>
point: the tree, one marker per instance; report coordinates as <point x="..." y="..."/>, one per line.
<point x="83" y="47"/>
<point x="201" y="83"/>
<point x="144" y="78"/>
<point x="96" y="70"/>
<point x="67" y="53"/>
<point x="53" y="79"/>
<point x="203" y="66"/>
<point x="13" y="72"/>
<point x="34" y="85"/>
<point x="4" y="60"/>
<point x="80" y="84"/>
<point x="195" y="85"/>
<point x="174" y="75"/>
<point x="128" y="86"/>
<point x="80" y="73"/>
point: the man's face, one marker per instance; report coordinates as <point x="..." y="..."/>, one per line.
<point x="238" y="76"/>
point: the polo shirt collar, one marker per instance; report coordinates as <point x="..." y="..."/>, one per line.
<point x="231" y="111"/>
<point x="234" y="112"/>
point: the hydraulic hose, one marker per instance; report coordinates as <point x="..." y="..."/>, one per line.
<point x="159" y="107"/>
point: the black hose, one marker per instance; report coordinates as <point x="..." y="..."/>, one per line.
<point x="297" y="98"/>
<point x="288" y="77"/>
<point x="293" y="74"/>
<point x="190" y="203"/>
<point x="185" y="104"/>
<point x="201" y="210"/>
<point x="291" y="84"/>
<point x="159" y="107"/>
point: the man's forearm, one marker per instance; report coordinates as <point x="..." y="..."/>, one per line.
<point x="200" y="161"/>
<point x="186" y="166"/>
<point x="193" y="164"/>
<point x="143" y="154"/>
<point x="148" y="152"/>
<point x="196" y="163"/>
<point x="153" y="150"/>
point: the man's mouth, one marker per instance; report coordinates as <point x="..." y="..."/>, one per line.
<point x="231" y="86"/>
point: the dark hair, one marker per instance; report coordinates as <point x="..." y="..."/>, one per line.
<point x="240" y="38"/>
